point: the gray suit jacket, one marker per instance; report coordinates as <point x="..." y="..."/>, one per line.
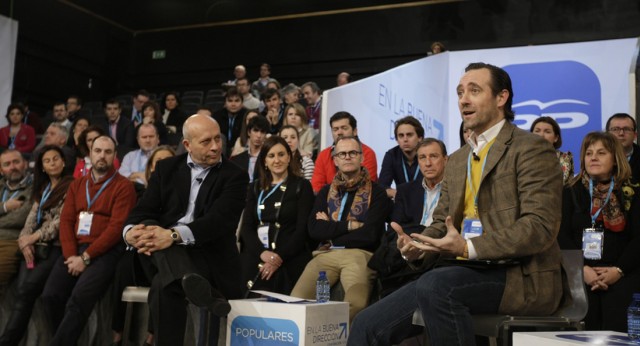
<point x="519" y="204"/>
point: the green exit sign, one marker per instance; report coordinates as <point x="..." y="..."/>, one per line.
<point x="159" y="54"/>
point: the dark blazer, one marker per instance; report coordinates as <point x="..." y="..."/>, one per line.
<point x="293" y="238"/>
<point x="242" y="161"/>
<point x="222" y="117"/>
<point x="621" y="249"/>
<point x="125" y="132"/>
<point x="519" y="203"/>
<point x="217" y="211"/>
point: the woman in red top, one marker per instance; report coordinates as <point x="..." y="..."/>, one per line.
<point x="17" y="135"/>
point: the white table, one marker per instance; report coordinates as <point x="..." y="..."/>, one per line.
<point x="581" y="338"/>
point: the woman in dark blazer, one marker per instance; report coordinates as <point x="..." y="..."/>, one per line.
<point x="273" y="233"/>
<point x="173" y="117"/>
<point x="602" y="196"/>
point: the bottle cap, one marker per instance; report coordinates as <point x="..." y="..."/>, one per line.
<point x="322" y="272"/>
<point x="636" y="296"/>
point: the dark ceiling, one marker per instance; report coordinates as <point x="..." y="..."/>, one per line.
<point x="160" y="15"/>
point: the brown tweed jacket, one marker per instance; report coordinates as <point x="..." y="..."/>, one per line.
<point x="519" y="204"/>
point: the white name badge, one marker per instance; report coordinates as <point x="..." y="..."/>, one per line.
<point x="84" y="223"/>
<point x="471" y="228"/>
<point x="592" y="242"/>
<point x="263" y="234"/>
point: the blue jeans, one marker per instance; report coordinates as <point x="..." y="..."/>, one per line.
<point x="446" y="296"/>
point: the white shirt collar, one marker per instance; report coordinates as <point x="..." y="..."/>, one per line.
<point x="478" y="143"/>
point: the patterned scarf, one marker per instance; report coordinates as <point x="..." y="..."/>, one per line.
<point x="340" y="185"/>
<point x="612" y="214"/>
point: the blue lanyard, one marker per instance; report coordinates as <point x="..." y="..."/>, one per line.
<point x="43" y="199"/>
<point x="406" y="176"/>
<point x="261" y="200"/>
<point x="232" y="121"/>
<point x="470" y="181"/>
<point x="595" y="216"/>
<point x="4" y="194"/>
<point x="425" y="210"/>
<point x="12" y="141"/>
<point x="86" y="189"/>
<point x="344" y="201"/>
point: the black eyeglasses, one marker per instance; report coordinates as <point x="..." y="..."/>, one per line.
<point x="623" y="129"/>
<point x="351" y="154"/>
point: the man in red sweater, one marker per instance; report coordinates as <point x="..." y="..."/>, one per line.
<point x="343" y="124"/>
<point x="94" y="212"/>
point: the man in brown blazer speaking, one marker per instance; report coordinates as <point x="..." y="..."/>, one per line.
<point x="500" y="200"/>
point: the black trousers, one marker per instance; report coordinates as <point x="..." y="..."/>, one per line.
<point x="128" y="273"/>
<point x="608" y="309"/>
<point x="29" y="285"/>
<point x="167" y="301"/>
<point x="68" y="300"/>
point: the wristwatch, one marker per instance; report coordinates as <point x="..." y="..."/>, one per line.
<point x="85" y="260"/>
<point x="174" y="235"/>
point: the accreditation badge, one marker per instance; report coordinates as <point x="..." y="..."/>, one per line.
<point x="84" y="223"/>
<point x="592" y="242"/>
<point x="263" y="234"/>
<point x="471" y="228"/>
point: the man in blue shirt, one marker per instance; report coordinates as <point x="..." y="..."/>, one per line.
<point x="399" y="164"/>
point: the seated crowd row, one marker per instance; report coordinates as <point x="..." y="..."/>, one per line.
<point x="299" y="218"/>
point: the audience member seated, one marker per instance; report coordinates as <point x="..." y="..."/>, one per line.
<point x="257" y="130"/>
<point x="177" y="241"/>
<point x="83" y="163"/>
<point x="273" y="233"/>
<point x="274" y="109"/>
<point x="73" y="107"/>
<point x="342" y="124"/>
<point x="623" y="127"/>
<point x="172" y="116"/>
<point x="134" y="163"/>
<point x="291" y="94"/>
<point x="343" y="78"/>
<point x="231" y="117"/>
<point x="79" y="125"/>
<point x="601" y="216"/>
<point x="91" y="222"/>
<point x="57" y="135"/>
<point x="313" y="96"/>
<point x="17" y="187"/>
<point x="151" y="115"/>
<point x="348" y="220"/>
<point x="290" y="135"/>
<point x="118" y="127"/>
<point x="239" y="72"/>
<point x="511" y="195"/>
<point x="17" y="135"/>
<point x="260" y="86"/>
<point x="549" y="129"/>
<point x="32" y="118"/>
<point x="135" y="113"/>
<point x="248" y="100"/>
<point x="413" y="210"/>
<point x="38" y="241"/>
<point x="60" y="114"/>
<point x="399" y="164"/>
<point x="128" y="272"/>
<point x="464" y="135"/>
<point x="308" y="137"/>
<point x="242" y="142"/>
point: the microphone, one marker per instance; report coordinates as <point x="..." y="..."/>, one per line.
<point x="199" y="180"/>
<point x="475" y="156"/>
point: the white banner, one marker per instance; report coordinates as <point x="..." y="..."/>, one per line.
<point x="8" y="41"/>
<point x="579" y="84"/>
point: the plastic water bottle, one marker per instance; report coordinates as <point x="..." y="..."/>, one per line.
<point x="633" y="318"/>
<point x="323" y="289"/>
